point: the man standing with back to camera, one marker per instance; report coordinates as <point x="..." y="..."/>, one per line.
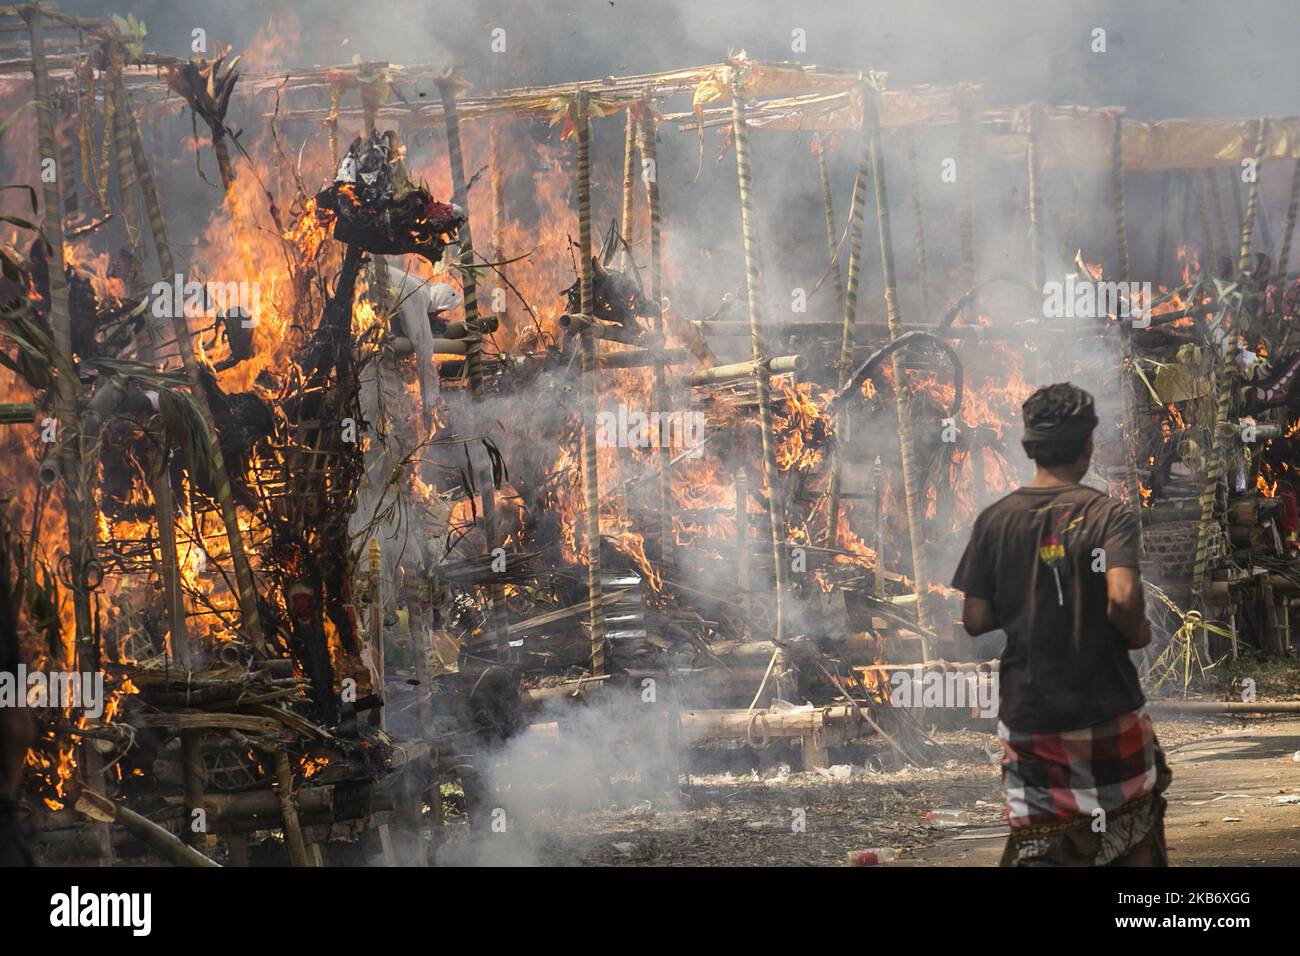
<point x="1055" y="565"/>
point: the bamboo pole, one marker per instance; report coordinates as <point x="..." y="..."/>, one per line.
<point x="474" y="335"/>
<point x="1035" y="200"/>
<point x="911" y="491"/>
<point x="918" y="221"/>
<point x="293" y="840"/>
<point x="1284" y="257"/>
<point x="376" y="626"/>
<point x="247" y="592"/>
<point x="629" y="180"/>
<point x="848" y="317"/>
<point x="332" y="127"/>
<point x="103" y="811"/>
<point x="828" y="212"/>
<point x="590" y="395"/>
<point x="498" y="216"/>
<point x="1252" y="201"/>
<point x="1132" y="496"/>
<point x="132" y="226"/>
<point x="649" y="132"/>
<point x="754" y="286"/>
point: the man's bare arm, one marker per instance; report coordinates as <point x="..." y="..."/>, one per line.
<point x="977" y="616"/>
<point x="1126" y="606"/>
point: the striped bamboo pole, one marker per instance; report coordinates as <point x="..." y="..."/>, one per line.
<point x="1215" y="466"/>
<point x="918" y="221"/>
<point x="629" y="184"/>
<point x="473" y="338"/>
<point x="590" y="466"/>
<point x="469" y="285"/>
<point x="1284" y="257"/>
<point x="132" y="227"/>
<point x="911" y="491"/>
<point x="754" y="287"/>
<point x="1117" y="197"/>
<point x="828" y="211"/>
<point x="1208" y="254"/>
<point x="1130" y="477"/>
<point x="849" y="315"/>
<point x="498" y="191"/>
<point x="248" y="609"/>
<point x="1035" y="199"/>
<point x="1249" y="217"/>
<point x="332" y="126"/>
<point x="498" y="215"/>
<point x="649" y="131"/>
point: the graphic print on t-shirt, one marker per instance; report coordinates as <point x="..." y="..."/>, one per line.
<point x="1051" y="546"/>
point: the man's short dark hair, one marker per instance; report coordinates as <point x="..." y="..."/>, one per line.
<point x="1058" y="422"/>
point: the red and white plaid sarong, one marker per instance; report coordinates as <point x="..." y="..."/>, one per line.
<point x="1053" y="778"/>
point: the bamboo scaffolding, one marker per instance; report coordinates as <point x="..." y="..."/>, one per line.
<point x="590" y="393"/>
<point x="754" y="287"/>
<point x="911" y="492"/>
<point x="247" y="592"/>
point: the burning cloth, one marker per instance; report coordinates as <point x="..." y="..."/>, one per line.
<point x="1084" y="797"/>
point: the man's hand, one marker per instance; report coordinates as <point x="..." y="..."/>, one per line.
<point x="1126" y="606"/>
<point x="977" y="616"/>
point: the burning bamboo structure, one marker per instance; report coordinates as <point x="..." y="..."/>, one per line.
<point x="326" y="680"/>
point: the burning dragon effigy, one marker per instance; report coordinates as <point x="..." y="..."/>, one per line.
<point x="345" y="502"/>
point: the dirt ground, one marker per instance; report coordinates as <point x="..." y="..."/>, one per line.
<point x="1226" y="772"/>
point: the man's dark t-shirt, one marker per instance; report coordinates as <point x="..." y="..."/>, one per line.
<point x="1032" y="555"/>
